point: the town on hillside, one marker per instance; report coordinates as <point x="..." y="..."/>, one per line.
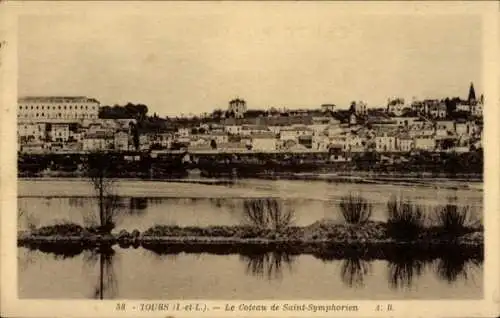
<point x="63" y="124"/>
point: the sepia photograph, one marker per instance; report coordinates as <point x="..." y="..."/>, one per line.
<point x="282" y="151"/>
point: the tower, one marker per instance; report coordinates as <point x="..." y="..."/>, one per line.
<point x="472" y="93"/>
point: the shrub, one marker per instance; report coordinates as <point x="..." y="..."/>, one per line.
<point x="268" y="213"/>
<point x="405" y="220"/>
<point x="452" y="219"/>
<point x="355" y="209"/>
<point x="65" y="229"/>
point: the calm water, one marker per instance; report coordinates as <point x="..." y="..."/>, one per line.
<point x="144" y="204"/>
<point x="143" y="274"/>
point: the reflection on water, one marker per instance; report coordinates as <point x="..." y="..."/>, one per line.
<point x="354" y="271"/>
<point x="106" y="286"/>
<point x="403" y="270"/>
<point x="268" y="265"/>
<point x="138" y="204"/>
<point x="276" y="274"/>
<point x="453" y="268"/>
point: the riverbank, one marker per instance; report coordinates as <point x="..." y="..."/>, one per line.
<point x="319" y="234"/>
<point x="404" y="179"/>
<point x="351" y="176"/>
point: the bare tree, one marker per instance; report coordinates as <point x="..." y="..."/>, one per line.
<point x="99" y="171"/>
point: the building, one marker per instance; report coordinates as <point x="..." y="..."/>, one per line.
<point x="76" y="135"/>
<point x="121" y="141"/>
<point x="31" y="132"/>
<point x="476" y="108"/>
<point x="385" y="142"/>
<point x="328" y="107"/>
<point x="183" y="132"/>
<point x="360" y="108"/>
<point x="448" y="125"/>
<point x="339" y="141"/>
<point x="419" y="107"/>
<point x="472" y="105"/>
<point x="162" y="140"/>
<point x="238" y="107"/>
<point x="36" y="147"/>
<point x="418" y="124"/>
<point x="425" y="143"/>
<point x="233" y="147"/>
<point x="98" y="141"/>
<point x="264" y="142"/>
<point x="463" y="106"/>
<point x="355" y="143"/>
<point x="437" y="110"/>
<point x="334" y="129"/>
<point x="320" y="142"/>
<point x="405" y="122"/>
<point x="59" y="132"/>
<point x="144" y="142"/>
<point x="395" y="106"/>
<point x="306" y="141"/>
<point x="405" y="143"/>
<point x="248" y="130"/>
<point x="353" y="120"/>
<point x="465" y="128"/>
<point x="233" y="129"/>
<point x="40" y="108"/>
<point x="294" y="132"/>
<point x="218" y="137"/>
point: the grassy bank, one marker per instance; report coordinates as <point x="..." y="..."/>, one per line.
<point x="270" y="222"/>
<point x="319" y="233"/>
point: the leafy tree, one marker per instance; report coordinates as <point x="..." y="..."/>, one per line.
<point x="130" y="110"/>
<point x="352" y="108"/>
<point x="448" y="143"/>
<point x="134" y="130"/>
<point x="217" y="114"/>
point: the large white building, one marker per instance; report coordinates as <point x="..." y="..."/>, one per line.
<point x="43" y="108"/>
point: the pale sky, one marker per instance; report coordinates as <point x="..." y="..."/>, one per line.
<point x="191" y="61"/>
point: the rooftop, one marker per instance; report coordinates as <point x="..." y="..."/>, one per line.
<point x="264" y="135"/>
<point x="56" y="99"/>
<point x="99" y="135"/>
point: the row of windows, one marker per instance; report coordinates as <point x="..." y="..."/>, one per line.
<point x="34" y="128"/>
<point x="59" y="115"/>
<point x="58" y="107"/>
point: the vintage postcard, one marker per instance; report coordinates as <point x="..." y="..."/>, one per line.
<point x="220" y="159"/>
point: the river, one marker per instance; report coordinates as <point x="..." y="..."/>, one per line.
<point x="143" y="274"/>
